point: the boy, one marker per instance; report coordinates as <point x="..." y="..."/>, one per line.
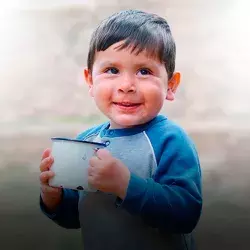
<point x="148" y="178"/>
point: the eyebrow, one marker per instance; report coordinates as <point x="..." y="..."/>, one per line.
<point x="137" y="65"/>
<point x="107" y="63"/>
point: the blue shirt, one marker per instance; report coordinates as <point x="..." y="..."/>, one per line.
<point x="164" y="199"/>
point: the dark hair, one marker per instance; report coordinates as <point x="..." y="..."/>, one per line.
<point x="140" y="31"/>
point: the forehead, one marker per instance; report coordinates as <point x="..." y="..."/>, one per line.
<point x="127" y="54"/>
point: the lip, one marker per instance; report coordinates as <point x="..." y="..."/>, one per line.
<point x="127" y="103"/>
<point x="127" y="106"/>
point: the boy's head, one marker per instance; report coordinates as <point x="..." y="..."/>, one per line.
<point x="131" y="67"/>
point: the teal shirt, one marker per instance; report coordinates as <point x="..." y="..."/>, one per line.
<point x="164" y="199"/>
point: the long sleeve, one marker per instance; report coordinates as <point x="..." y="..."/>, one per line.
<point x="66" y="214"/>
<point x="171" y="200"/>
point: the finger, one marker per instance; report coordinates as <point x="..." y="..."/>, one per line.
<point x="46" y="163"/>
<point x="91" y="181"/>
<point x="45" y="176"/>
<point x="94" y="161"/>
<point x="48" y="189"/>
<point x="91" y="171"/>
<point x="103" y="154"/>
<point x="46" y="153"/>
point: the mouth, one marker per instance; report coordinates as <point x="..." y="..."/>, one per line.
<point x="127" y="104"/>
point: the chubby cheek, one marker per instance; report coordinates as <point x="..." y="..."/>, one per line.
<point x="102" y="93"/>
<point x="154" y="98"/>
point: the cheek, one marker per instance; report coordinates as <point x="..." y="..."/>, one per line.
<point x="155" y="94"/>
<point x="102" y="91"/>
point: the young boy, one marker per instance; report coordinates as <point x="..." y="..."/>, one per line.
<point x="148" y="178"/>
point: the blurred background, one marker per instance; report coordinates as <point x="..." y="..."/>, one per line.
<point x="43" y="50"/>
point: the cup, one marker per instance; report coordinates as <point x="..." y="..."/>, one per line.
<point x="71" y="163"/>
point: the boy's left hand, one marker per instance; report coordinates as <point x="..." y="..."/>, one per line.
<point x="108" y="174"/>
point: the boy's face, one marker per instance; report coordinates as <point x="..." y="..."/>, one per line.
<point x="129" y="89"/>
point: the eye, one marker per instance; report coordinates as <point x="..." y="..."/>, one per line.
<point x="145" y="72"/>
<point x="112" y="71"/>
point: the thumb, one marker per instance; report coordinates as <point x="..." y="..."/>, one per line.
<point x="103" y="154"/>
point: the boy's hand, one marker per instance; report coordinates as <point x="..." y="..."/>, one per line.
<point x="50" y="196"/>
<point x="108" y="174"/>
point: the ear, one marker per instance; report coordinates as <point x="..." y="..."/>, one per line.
<point x="88" y="80"/>
<point x="173" y="84"/>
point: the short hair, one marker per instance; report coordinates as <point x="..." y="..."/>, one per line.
<point x="140" y="31"/>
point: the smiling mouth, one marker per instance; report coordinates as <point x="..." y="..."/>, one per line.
<point x="127" y="104"/>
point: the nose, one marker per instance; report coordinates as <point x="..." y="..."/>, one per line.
<point x="127" y="85"/>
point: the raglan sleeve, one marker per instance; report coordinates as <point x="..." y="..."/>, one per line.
<point x="171" y="200"/>
<point x="66" y="214"/>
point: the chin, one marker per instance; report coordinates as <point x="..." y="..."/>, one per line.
<point x="127" y="123"/>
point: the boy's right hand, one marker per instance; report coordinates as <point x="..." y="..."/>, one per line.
<point x="51" y="196"/>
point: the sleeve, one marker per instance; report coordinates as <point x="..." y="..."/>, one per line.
<point x="66" y="215"/>
<point x="171" y="200"/>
